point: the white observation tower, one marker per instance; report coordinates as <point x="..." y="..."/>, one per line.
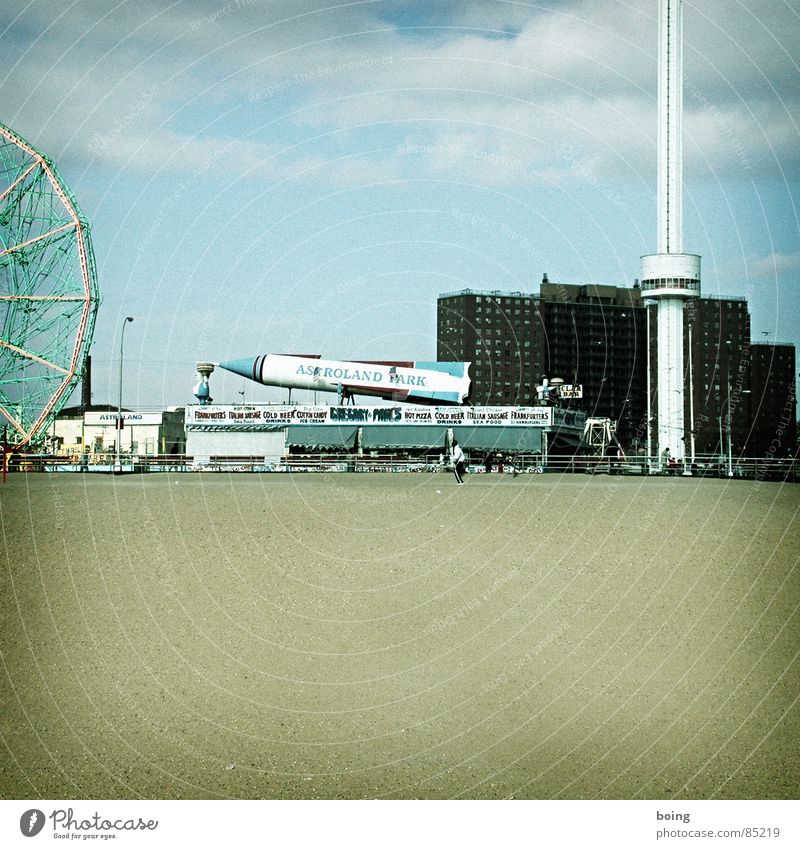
<point x="670" y="276"/>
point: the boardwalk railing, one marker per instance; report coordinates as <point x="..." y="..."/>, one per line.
<point x="746" y="468"/>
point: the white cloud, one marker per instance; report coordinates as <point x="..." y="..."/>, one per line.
<point x="131" y="83"/>
<point x="773" y="266"/>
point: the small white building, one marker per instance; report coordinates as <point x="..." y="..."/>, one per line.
<point x="144" y="433"/>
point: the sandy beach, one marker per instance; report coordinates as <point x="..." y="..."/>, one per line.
<point x="396" y="636"/>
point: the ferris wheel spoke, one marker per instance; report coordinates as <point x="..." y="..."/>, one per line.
<point x="54" y="271"/>
<point x="31" y="356"/>
<point x="37" y="238"/>
<point x="43" y="298"/>
<point x="17" y="425"/>
<point x="18" y="180"/>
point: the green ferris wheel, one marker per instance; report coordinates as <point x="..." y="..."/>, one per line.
<point x="48" y="292"/>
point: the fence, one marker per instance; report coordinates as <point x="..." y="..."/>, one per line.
<point x="706" y="466"/>
<point x="750" y="468"/>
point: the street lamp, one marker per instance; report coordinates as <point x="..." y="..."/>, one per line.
<point x="728" y="381"/>
<point x="117" y="462"/>
<point x="649" y="400"/>
<point x="728" y="425"/>
<point x="691" y="407"/>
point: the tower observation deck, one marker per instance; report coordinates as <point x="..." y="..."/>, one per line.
<point x="670" y="276"/>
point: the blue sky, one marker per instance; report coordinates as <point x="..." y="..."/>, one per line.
<point x="308" y="176"/>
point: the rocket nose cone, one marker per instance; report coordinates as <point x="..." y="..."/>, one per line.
<point x="244" y="367"/>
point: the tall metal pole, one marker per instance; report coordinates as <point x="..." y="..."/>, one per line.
<point x="117" y="462"/>
<point x="670" y="276"/>
<point x="649" y="389"/>
<point x="691" y="399"/>
<point x="728" y="425"/>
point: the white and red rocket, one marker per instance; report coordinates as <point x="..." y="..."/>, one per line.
<point x="420" y="383"/>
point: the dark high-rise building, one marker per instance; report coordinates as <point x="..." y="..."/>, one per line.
<point x="588" y="335"/>
<point x="719" y="328"/>
<point x="773" y="394"/>
<point x="596" y="336"/>
<point x="753" y="382"/>
<point x="501" y="334"/>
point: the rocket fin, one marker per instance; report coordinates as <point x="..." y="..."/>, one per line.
<point x="455" y="369"/>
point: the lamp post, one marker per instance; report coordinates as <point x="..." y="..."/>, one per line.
<point x="730" y="439"/>
<point x="117" y="462"/>
<point x="728" y="381"/>
<point x="728" y="425"/>
<point x="691" y="404"/>
<point x="649" y="411"/>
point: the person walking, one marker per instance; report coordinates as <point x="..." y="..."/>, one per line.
<point x="458" y="463"/>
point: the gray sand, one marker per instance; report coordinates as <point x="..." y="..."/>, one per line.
<point x="379" y="635"/>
